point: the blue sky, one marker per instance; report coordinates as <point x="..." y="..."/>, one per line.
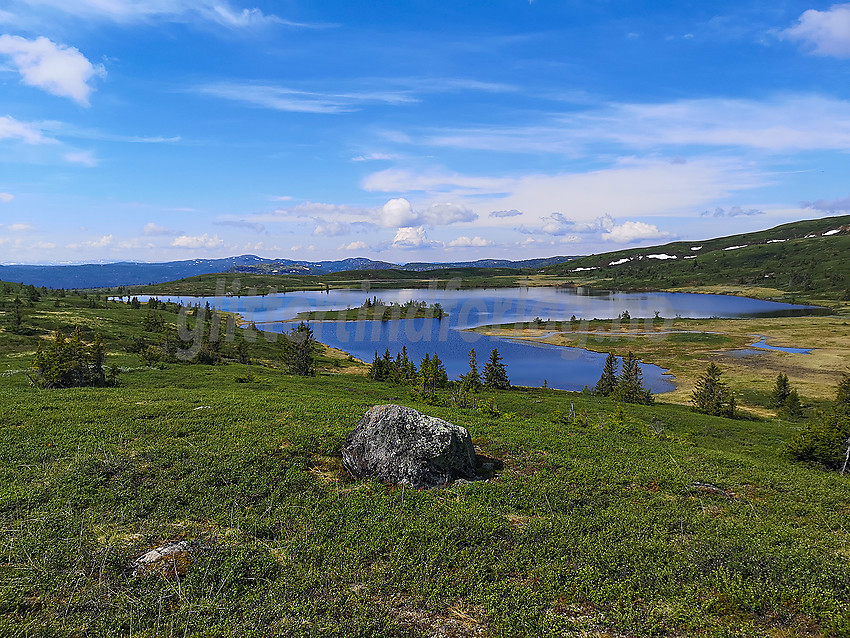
<point x="413" y="130"/>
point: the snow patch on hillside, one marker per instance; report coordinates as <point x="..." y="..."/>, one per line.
<point x="735" y="247"/>
<point x="620" y="261"/>
<point x="661" y="256"/>
<point x="696" y="247"/>
<point x="831" y="232"/>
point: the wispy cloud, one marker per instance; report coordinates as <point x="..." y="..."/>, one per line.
<point x="242" y="223"/>
<point x="55" y="68"/>
<point x="153" y="230"/>
<point x="219" y="12"/>
<point x="84" y="158"/>
<point x="784" y="123"/>
<point x="28" y="133"/>
<point x="825" y="33"/>
<point x="282" y="98"/>
<point x="734" y="211"/>
<point x="5" y="198"/>
<point x="505" y="213"/>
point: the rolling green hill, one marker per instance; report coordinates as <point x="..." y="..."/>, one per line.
<point x="805" y="261"/>
<point x="604" y="520"/>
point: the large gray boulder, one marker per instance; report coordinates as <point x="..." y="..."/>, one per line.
<point x="400" y="445"/>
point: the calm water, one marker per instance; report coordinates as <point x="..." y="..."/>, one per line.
<point x="527" y="363"/>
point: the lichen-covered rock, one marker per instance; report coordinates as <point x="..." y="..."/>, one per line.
<point x="400" y="445"/>
<point x="169" y="560"/>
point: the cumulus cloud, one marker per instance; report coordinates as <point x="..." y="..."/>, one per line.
<point x="469" y="242"/>
<point x="632" y="231"/>
<point x="400" y="213"/>
<point x="198" y="241"/>
<point x="734" y="211"/>
<point x="825" y="33"/>
<point x="829" y="205"/>
<point x="355" y="245"/>
<point x="505" y="213"/>
<point x="412" y="238"/>
<point x="5" y="198"/>
<point x="12" y="129"/>
<point x="55" y="68"/>
<point x="85" y="158"/>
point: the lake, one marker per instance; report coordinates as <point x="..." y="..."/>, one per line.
<point x="528" y="363"/>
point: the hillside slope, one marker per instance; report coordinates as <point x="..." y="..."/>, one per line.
<point x="805" y="259"/>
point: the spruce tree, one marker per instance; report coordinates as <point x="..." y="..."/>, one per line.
<point x="605" y="385"/>
<point x="629" y="387"/>
<point x="299" y="351"/>
<point x="781" y="390"/>
<point x="495" y="374"/>
<point x="713" y="396"/>
<point x="471" y="381"/>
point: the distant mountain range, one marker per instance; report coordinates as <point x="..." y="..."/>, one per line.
<point x="128" y="273"/>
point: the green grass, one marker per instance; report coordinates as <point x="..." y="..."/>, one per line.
<point x="600" y="525"/>
<point x="795" y="267"/>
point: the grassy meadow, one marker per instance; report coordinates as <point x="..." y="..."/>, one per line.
<point x="604" y="520"/>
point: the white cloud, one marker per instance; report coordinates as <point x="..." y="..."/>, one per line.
<point x="469" y="242"/>
<point x="5" y="198"/>
<point x="445" y="214"/>
<point x="398" y="212"/>
<point x="783" y="123"/>
<point x="153" y="230"/>
<point x="631" y="188"/>
<point x="632" y="231"/>
<point x="12" y="129"/>
<point x="198" y="241"/>
<point x="434" y="180"/>
<point x="826" y="33"/>
<point x="412" y="238"/>
<point x="332" y="228"/>
<point x="85" y="158"/>
<point x="373" y="157"/>
<point x="126" y="11"/>
<point x="103" y="242"/>
<point x="55" y="68"/>
<point x="19" y="227"/>
<point x="282" y="98"/>
<point x="355" y="245"/>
